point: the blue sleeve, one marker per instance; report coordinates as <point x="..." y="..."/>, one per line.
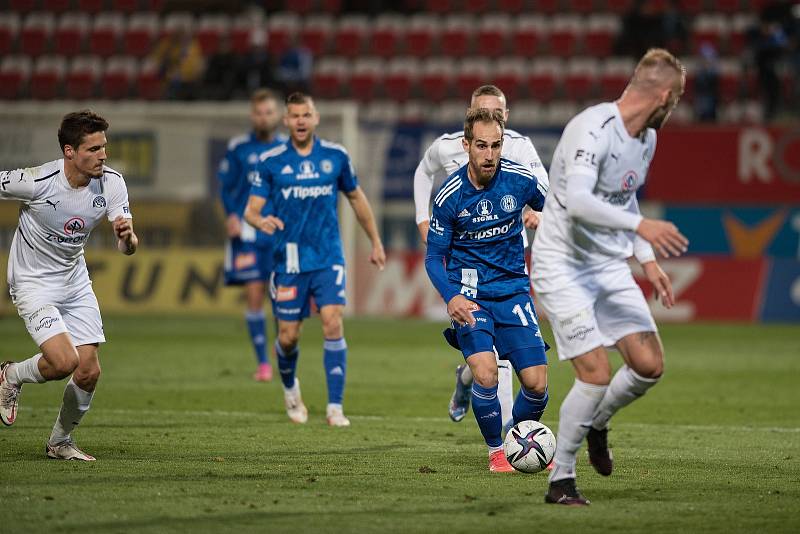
<point x="535" y="196"/>
<point x="347" y="177"/>
<point x="228" y="175"/>
<point x="440" y="237"/>
<point x="262" y="181"/>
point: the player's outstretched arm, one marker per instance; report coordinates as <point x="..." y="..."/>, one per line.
<point x="252" y="214"/>
<point x="127" y="241"/>
<point x="360" y="204"/>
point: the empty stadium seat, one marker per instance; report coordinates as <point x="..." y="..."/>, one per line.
<point x="511" y="6"/>
<point x="149" y="85"/>
<point x="48" y="73"/>
<point x="119" y="73"/>
<point x="300" y="7"/>
<point x="580" y="79"/>
<point x="329" y="77"/>
<point x="437" y="74"/>
<point x="401" y="77"/>
<point x="457" y="35"/>
<point x="614" y="76"/>
<point x="565" y="35"/>
<point x="242" y="27"/>
<point x="91" y="7"/>
<point x="543" y="78"/>
<point x="36" y="33"/>
<point x="527" y="34"/>
<point x="140" y="34"/>
<point x="492" y="32"/>
<point x="176" y="22"/>
<point x="351" y="31"/>
<point x="691" y="7"/>
<point x="739" y="26"/>
<point x="56" y="6"/>
<point x="547" y="7"/>
<point x="712" y="28"/>
<point x="601" y="31"/>
<point x="330" y="6"/>
<point x="583" y="7"/>
<point x="620" y="7"/>
<point x="282" y="29"/>
<point x="82" y="77"/>
<point x="509" y="74"/>
<point x="366" y="76"/>
<point x="316" y="33"/>
<point x="9" y="29"/>
<point x="211" y="29"/>
<point x="71" y="33"/>
<point x="22" y="6"/>
<point x="440" y="7"/>
<point x="730" y="79"/>
<point x="422" y="32"/>
<point x="387" y="32"/>
<point x="126" y="6"/>
<point x="15" y="71"/>
<point x="472" y="72"/>
<point x="726" y="6"/>
<point x="476" y="6"/>
<point x="106" y="33"/>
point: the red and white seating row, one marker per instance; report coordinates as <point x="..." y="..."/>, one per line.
<point x="84" y="6"/>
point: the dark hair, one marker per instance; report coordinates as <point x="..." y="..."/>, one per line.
<point x="481" y="115"/>
<point x="298" y="98"/>
<point x="260" y="95"/>
<point x="77" y="125"/>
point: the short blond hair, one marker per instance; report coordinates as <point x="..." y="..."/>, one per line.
<point x="260" y="95"/>
<point x="481" y="115"/>
<point x="654" y="67"/>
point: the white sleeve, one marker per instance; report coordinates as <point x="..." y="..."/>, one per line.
<point x="17" y="185"/>
<point x="583" y="205"/>
<point x="118" y="200"/>
<point x="642" y="250"/>
<point x="423" y="181"/>
<point x="526" y="155"/>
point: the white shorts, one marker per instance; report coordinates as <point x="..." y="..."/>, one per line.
<point x="48" y="312"/>
<point x="596" y="310"/>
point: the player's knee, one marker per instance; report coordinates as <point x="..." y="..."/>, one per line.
<point x="333" y="329"/>
<point x="652" y="368"/>
<point x="288" y="339"/>
<point x="536" y="384"/>
<point x="64" y="364"/>
<point x="87" y="379"/>
<point x="485" y="376"/>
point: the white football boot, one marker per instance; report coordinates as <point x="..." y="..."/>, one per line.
<point x="67" y="450"/>
<point x="336" y="416"/>
<point x="9" y="396"/>
<point x="295" y="408"/>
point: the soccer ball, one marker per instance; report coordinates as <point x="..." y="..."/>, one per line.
<point x="529" y="446"/>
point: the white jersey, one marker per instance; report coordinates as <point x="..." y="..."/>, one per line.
<point x="591" y="214"/>
<point x="446" y="155"/>
<point x="55" y="221"/>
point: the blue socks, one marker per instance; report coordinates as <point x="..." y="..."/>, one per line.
<point x="335" y="358"/>
<point x="258" y="334"/>
<point x="529" y="406"/>
<point x="287" y="364"/>
<point x="486" y="408"/>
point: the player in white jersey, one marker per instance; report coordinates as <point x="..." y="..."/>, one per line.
<point x="61" y="202"/>
<point x="590" y="226"/>
<point x="446" y="155"/>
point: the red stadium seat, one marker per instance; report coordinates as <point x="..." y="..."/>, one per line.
<point x="125" y="6"/>
<point x="476" y="6"/>
<point x="710" y="28"/>
<point x="176" y="22"/>
<point x="437" y="74"/>
<point x="492" y="35"/>
<point x="544" y="78"/>
<point x="47" y="76"/>
<point x="565" y="34"/>
<point x="579" y="83"/>
<point x="730" y="79"/>
<point x="351" y="32"/>
<point x="401" y="77"/>
<point x="421" y="35"/>
<point x="513" y="7"/>
<point x="367" y="75"/>
<point x="527" y="34"/>
<point x="457" y="36"/>
<point x="91" y="7"/>
<point x="56" y="6"/>
<point x="614" y="76"/>
<point x="691" y="7"/>
<point x="119" y="73"/>
<point x="329" y="77"/>
<point x="149" y="85"/>
<point x="301" y="7"/>
<point x="509" y="73"/>
<point x="737" y="39"/>
<point x="619" y="7"/>
<point x="440" y="7"/>
<point x="471" y="73"/>
<point x="387" y="32"/>
<point x="106" y="33"/>
<point x="22" y="6"/>
<point x="82" y="77"/>
<point x="316" y="33"/>
<point x="583" y="7"/>
<point x="601" y="32"/>
<point x="140" y="34"/>
<point x="211" y="29"/>
<point x="15" y="71"/>
<point x="547" y="7"/>
<point x="242" y="28"/>
<point x="71" y="33"/>
<point x="283" y="29"/>
<point x="36" y="33"/>
<point x="9" y="29"/>
<point x="727" y="6"/>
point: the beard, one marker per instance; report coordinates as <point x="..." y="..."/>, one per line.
<point x="657" y="119"/>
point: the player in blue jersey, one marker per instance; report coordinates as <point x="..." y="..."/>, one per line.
<point x="248" y="251"/>
<point x="476" y="261"/>
<point x="301" y="179"/>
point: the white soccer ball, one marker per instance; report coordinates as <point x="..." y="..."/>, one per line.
<point x="529" y="446"/>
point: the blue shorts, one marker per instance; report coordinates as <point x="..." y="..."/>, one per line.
<point x="246" y="262"/>
<point x="509" y="325"/>
<point x="292" y="293"/>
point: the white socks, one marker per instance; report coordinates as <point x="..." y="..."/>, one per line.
<point x="575" y="417"/>
<point x="75" y="404"/>
<point x="25" y="372"/>
<point x="625" y="387"/>
<point x="466" y="376"/>
<point x="505" y="389"/>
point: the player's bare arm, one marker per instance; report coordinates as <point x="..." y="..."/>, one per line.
<point x="127" y="241"/>
<point x="360" y="204"/>
<point x="252" y="214"/>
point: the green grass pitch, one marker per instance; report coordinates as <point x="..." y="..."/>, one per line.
<point x="187" y="441"/>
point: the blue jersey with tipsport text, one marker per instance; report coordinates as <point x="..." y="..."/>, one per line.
<point x="303" y="193"/>
<point x="237" y="171"/>
<point x="481" y="228"/>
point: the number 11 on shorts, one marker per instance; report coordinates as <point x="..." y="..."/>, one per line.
<point x="517" y="309"/>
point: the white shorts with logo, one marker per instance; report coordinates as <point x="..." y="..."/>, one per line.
<point x="48" y="312"/>
<point x="596" y="310"/>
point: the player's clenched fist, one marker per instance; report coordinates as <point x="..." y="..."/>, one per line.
<point x="460" y="310"/>
<point x="126" y="239"/>
<point x="664" y="236"/>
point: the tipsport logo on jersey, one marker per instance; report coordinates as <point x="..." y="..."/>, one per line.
<point x="303" y="192"/>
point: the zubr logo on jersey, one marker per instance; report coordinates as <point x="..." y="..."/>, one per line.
<point x="508" y="203"/>
<point x="307" y="171"/>
<point x="74" y="225"/>
<point x="99" y="202"/>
